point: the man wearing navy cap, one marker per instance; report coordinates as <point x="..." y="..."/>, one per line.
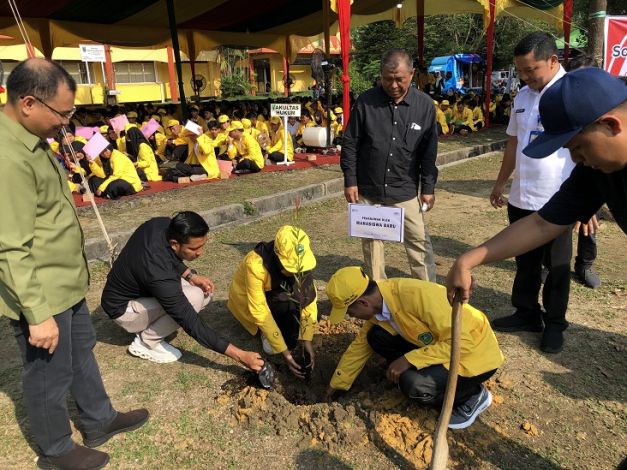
<point x="585" y="112"/>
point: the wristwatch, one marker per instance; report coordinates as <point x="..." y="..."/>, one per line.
<point x="191" y="274"/>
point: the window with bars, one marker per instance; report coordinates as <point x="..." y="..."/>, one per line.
<point x="135" y="72"/>
<point x="78" y="71"/>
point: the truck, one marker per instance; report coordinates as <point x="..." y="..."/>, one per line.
<point x="459" y="71"/>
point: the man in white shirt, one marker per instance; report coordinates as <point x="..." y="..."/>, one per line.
<point x="534" y="182"/>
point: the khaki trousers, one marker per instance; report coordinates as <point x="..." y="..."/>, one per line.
<point x="146" y="316"/>
<point x="416" y="240"/>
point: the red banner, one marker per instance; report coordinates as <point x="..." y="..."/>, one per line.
<point x="615" y="55"/>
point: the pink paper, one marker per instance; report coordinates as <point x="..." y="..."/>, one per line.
<point x="193" y="127"/>
<point x="49" y="140"/>
<point x="95" y="145"/>
<point x="150" y="128"/>
<point x="86" y="132"/>
<point x="119" y="123"/>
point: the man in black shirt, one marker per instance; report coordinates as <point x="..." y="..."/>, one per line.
<point x="586" y="112"/>
<point x="150" y="291"/>
<point x="388" y="157"/>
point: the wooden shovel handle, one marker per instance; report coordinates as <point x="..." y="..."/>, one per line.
<point x="440" y="446"/>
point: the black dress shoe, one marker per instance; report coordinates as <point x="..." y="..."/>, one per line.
<point x="588" y="278"/>
<point x="552" y="340"/>
<point x="123" y="422"/>
<point x="516" y="322"/>
<point x="79" y="458"/>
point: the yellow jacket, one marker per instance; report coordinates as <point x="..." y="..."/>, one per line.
<point x="441" y="119"/>
<point x="161" y="140"/>
<point x="247" y="302"/>
<point x="464" y="117"/>
<point x="146" y="161"/>
<point x="477" y="115"/>
<point x="422" y="313"/>
<point x="276" y="143"/>
<point x="124" y="169"/>
<point x="262" y="127"/>
<point x="246" y="148"/>
<point x="96" y="168"/>
<point x="205" y="155"/>
<point x="121" y="143"/>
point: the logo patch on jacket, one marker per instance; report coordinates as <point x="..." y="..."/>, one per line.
<point x="521" y="110"/>
<point x="425" y="338"/>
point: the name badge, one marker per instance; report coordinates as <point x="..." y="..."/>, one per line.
<point x="521" y="110"/>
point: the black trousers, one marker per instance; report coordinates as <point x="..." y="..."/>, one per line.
<point x="556" y="256"/>
<point x="48" y="378"/>
<point x="246" y="164"/>
<point x="184" y="169"/>
<point x="586" y="251"/>
<point x="276" y="156"/>
<point x="118" y="188"/>
<point x="427" y="385"/>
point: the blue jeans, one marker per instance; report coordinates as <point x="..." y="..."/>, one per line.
<point x="47" y="378"/>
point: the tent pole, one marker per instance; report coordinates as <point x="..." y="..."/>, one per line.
<point x="344" y="19"/>
<point x="568" y="13"/>
<point x="420" y="30"/>
<point x="174" y="94"/>
<point x="327" y="52"/>
<point x="286" y="77"/>
<point x="488" y="72"/>
<point x="177" y="54"/>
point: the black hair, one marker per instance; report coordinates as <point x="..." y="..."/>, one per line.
<point x="135" y="139"/>
<point x="540" y="43"/>
<point x="392" y="58"/>
<point x="213" y="124"/>
<point x="40" y="78"/>
<point x="581" y="61"/>
<point x="185" y="225"/>
<point x="370" y="289"/>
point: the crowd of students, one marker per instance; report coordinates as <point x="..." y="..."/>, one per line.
<point x="242" y="133"/>
<point x="462" y="114"/>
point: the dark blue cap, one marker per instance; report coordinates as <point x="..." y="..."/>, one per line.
<point x="577" y="99"/>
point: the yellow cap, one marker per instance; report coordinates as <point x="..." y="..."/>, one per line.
<point x="275" y="120"/>
<point x="161" y="111"/>
<point x="223" y="118"/>
<point x="445" y="103"/>
<point x="235" y="126"/>
<point x="193" y="106"/>
<point x="435" y="102"/>
<point x="246" y="123"/>
<point x="156" y="117"/>
<point x="54" y="146"/>
<point x="173" y="122"/>
<point x="291" y="245"/>
<point x="345" y="286"/>
<point x="129" y="125"/>
<point x="131" y="114"/>
<point x="338" y="110"/>
<point x="104" y="129"/>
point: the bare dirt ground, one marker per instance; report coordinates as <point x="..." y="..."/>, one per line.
<point x="550" y="411"/>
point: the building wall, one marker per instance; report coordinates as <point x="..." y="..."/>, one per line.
<point x="159" y="91"/>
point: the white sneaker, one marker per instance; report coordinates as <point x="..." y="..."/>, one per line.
<point x="161" y="354"/>
<point x="267" y="347"/>
<point x="201" y="177"/>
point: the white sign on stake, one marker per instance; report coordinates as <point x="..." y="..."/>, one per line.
<point x="376" y="222"/>
<point x="92" y="52"/>
<point x="284" y="109"/>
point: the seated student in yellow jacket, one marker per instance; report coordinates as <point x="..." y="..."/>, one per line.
<point x="477" y="113"/>
<point x="142" y="154"/>
<point x="463" y="118"/>
<point x="408" y="322"/>
<point x="121" y="177"/>
<point x="249" y="129"/>
<point x="266" y="294"/>
<point x="275" y="147"/>
<point x="440" y="119"/>
<point x="244" y="150"/>
<point x="219" y="140"/>
<point x="201" y="160"/>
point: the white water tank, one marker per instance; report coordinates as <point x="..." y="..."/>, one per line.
<point x="316" y="136"/>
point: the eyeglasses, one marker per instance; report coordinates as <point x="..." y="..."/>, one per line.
<point x="64" y="115"/>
